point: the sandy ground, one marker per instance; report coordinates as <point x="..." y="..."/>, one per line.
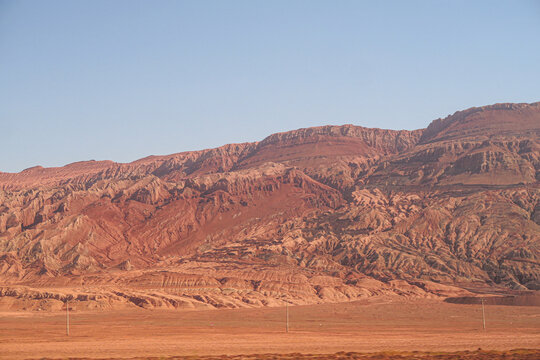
<point x="389" y="325"/>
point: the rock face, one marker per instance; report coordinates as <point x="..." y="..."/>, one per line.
<point x="322" y="214"/>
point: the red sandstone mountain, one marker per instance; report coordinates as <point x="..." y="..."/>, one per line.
<point x="321" y="214"/>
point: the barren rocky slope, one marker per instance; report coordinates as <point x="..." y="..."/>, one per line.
<point x="321" y="214"/>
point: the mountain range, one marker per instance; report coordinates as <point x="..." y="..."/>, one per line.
<point x="322" y="214"/>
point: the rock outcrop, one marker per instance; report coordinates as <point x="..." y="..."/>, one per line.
<point x="322" y="214"/>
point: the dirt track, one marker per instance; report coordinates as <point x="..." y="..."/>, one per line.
<point x="319" y="329"/>
<point x="519" y="354"/>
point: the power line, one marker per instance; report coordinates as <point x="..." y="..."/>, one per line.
<point x="287" y="316"/>
<point x="483" y="315"/>
<point x="67" y="317"/>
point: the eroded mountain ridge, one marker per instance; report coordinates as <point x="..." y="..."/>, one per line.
<point x="321" y="214"/>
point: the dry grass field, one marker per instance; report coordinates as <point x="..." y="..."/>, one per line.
<point x="356" y="330"/>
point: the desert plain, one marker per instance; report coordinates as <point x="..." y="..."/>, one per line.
<point x="394" y="326"/>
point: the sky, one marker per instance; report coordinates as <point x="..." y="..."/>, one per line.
<point x="120" y="80"/>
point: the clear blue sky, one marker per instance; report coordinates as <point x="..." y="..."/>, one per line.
<point x="121" y="80"/>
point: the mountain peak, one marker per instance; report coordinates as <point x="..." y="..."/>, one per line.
<point x="484" y="121"/>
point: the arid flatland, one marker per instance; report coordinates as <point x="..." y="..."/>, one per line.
<point x="383" y="324"/>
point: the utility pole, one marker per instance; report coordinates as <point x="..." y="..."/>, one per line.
<point x="483" y="315"/>
<point x="287" y="315"/>
<point x="67" y="317"/>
